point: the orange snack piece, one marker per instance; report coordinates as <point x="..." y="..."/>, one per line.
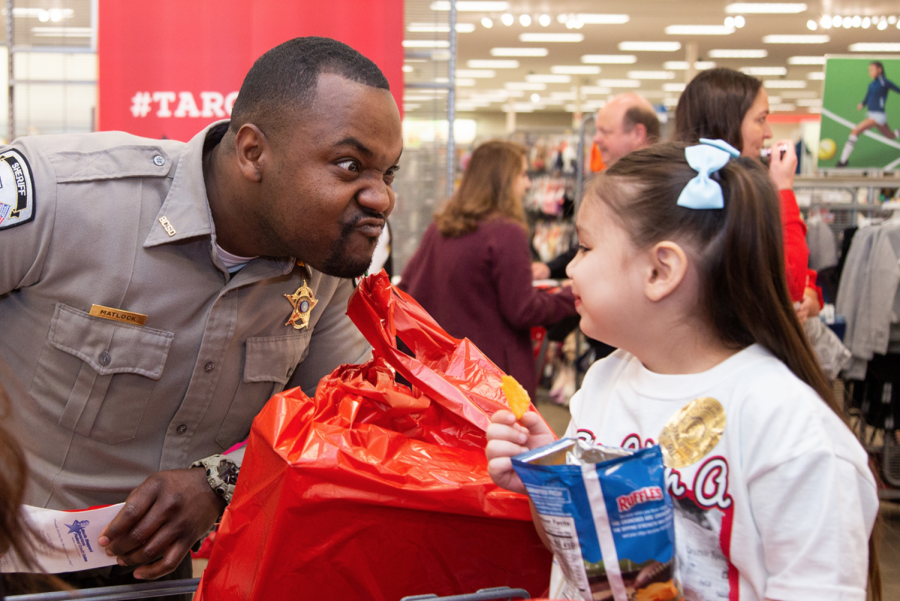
<point x="516" y="396"/>
<point x="658" y="591"/>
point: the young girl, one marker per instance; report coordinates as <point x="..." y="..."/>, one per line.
<point x="680" y="266"/>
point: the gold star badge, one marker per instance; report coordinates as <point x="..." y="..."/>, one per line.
<point x="303" y="302"/>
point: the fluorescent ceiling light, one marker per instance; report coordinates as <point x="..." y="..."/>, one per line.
<point x="548" y="78"/>
<point x="784" y="83"/>
<point x="765" y="8"/>
<point x="426" y="44"/>
<point x="806" y="60"/>
<point x="809" y="102"/>
<point x="674" y="87"/>
<point x="482" y="64"/>
<point x="434" y="28"/>
<point x="649" y="46"/>
<point x="575" y="70"/>
<point x="551" y="37"/>
<point x="618" y="83"/>
<point x="816" y="75"/>
<point x="563" y="95"/>
<point x="725" y="53"/>
<point x="407" y="69"/>
<point x="699" y="30"/>
<point x="796" y="39"/>
<point x="799" y="94"/>
<point x="472" y="7"/>
<point x="651" y="75"/>
<point x="874" y="47"/>
<point x="464" y="82"/>
<point x="524" y="85"/>
<point x="783" y="107"/>
<point x="595" y="90"/>
<point x="418" y="98"/>
<point x="476" y="73"/>
<point x="519" y="52"/>
<point x="683" y="65"/>
<point x="760" y="71"/>
<point x="595" y="19"/>
<point x="75" y="32"/>
<point x="524" y="107"/>
<point x="609" y="59"/>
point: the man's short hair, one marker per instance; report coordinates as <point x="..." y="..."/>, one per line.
<point x="284" y="79"/>
<point x="641" y="115"/>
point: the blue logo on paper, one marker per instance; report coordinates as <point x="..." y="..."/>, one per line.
<point x="78" y="526"/>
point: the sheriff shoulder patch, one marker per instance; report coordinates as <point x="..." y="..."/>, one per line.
<point x="16" y="190"/>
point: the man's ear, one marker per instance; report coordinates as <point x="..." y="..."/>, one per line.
<point x="640" y="132"/>
<point x="250" y="145"/>
<point x="668" y="265"/>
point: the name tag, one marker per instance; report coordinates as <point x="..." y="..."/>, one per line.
<point x="118" y="315"/>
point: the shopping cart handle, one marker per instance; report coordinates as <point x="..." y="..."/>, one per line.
<point x="485" y="594"/>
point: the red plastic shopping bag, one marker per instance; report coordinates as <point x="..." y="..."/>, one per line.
<point x="374" y="490"/>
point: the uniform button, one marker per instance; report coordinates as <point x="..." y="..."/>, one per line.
<point x="159" y="161"/>
<point x="181" y="429"/>
<point x="105" y="359"/>
<point x="209" y="366"/>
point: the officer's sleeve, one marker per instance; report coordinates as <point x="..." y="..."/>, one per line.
<point x="335" y="341"/>
<point x="27" y="214"/>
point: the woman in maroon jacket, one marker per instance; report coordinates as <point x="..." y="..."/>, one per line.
<point x="472" y="271"/>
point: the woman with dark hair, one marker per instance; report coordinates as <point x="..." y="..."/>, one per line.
<point x="728" y="105"/>
<point x="472" y="271"/>
<point x="876" y="95"/>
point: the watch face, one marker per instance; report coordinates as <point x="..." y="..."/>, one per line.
<point x="228" y="472"/>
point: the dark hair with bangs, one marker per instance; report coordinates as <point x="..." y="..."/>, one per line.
<point x="744" y="294"/>
<point x="713" y="106"/>
<point x="284" y="79"/>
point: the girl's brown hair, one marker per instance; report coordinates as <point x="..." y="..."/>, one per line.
<point x="485" y="191"/>
<point x="740" y="257"/>
<point x="713" y="106"/>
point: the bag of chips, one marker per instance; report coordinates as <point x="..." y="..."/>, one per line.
<point x="373" y="489"/>
<point x="608" y="517"/>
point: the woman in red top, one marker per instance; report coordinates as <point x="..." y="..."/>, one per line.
<point x="472" y="271"/>
<point x="731" y="106"/>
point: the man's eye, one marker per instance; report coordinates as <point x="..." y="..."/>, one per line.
<point x="349" y="165"/>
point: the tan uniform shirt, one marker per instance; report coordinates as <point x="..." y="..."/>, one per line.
<point x="110" y="402"/>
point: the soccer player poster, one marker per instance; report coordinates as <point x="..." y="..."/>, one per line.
<point x="860" y="113"/>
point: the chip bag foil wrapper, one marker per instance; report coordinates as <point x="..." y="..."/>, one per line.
<point x="608" y="517"/>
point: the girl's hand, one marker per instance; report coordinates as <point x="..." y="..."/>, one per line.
<point x="507" y="438"/>
<point x="783" y="168"/>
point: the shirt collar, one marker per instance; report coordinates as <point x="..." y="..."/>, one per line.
<point x="185" y="211"/>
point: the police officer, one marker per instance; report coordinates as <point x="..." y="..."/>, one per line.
<point x="155" y="294"/>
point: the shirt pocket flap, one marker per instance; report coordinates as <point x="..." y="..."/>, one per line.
<point x="274" y="358"/>
<point x="110" y="347"/>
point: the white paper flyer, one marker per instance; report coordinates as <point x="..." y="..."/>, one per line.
<point x="67" y="540"/>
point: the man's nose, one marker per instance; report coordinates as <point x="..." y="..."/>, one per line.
<point x="378" y="197"/>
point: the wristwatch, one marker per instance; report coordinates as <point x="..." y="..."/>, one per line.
<point x="221" y="473"/>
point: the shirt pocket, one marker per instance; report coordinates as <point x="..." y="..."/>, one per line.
<point x="94" y="376"/>
<point x="269" y="363"/>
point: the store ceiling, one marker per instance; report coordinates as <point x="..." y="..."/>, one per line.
<point x="795" y="88"/>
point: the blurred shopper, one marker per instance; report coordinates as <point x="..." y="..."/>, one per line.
<point x="624" y="124"/>
<point x="729" y="105"/>
<point x="472" y="269"/>
<point x="155" y="294"/>
<point x="876" y="95"/>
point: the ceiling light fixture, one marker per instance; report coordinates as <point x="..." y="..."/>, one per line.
<point x="683" y="65"/>
<point x="472" y="7"/>
<point x="784" y="83"/>
<point x="575" y="69"/>
<point x="796" y="39"/>
<point x="507" y="19"/>
<point x="524" y="85"/>
<point x="541" y="78"/>
<point x="762" y="71"/>
<point x="476" y="73"/>
<point x="487" y="23"/>
<point x="765" y="8"/>
<point x="595" y="90"/>
<point x="544" y="20"/>
<point x="816" y="76"/>
<point x="825" y="22"/>
<point x="812" y="25"/>
<point x="519" y="52"/>
<point x="737" y="53"/>
<point x="535" y="97"/>
<point x="551" y="37"/>
<point x="699" y="30"/>
<point x="609" y="59"/>
<point x="651" y="75"/>
<point x="806" y="60"/>
<point x="426" y="44"/>
<point x="431" y="28"/>
<point x="739" y="21"/>
<point x="649" y="46"/>
<point x="488" y="64"/>
<point x="601" y="19"/>
<point x="874" y="47"/>
<point x="618" y="83"/>
<point x="525" y="20"/>
<point x="674" y="87"/>
<point x="866" y="23"/>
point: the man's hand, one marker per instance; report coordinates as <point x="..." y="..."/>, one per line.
<point x="161" y="520"/>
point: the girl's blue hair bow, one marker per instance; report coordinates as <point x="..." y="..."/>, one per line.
<point x="702" y="192"/>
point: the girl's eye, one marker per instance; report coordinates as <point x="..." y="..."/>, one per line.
<point x="582" y="249"/>
<point x="349" y="165"/>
